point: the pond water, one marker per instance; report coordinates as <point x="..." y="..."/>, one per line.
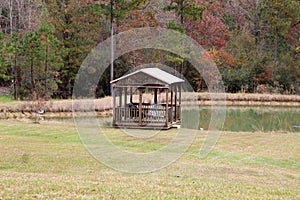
<point x="238" y="118"/>
<point x="256" y="118"/>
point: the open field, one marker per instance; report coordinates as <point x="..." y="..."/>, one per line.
<point x="48" y="161"/>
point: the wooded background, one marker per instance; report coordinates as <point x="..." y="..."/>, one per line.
<point x="254" y="43"/>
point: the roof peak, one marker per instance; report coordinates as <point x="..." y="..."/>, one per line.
<point x="156" y="73"/>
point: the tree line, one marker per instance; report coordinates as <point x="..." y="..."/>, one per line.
<point x="254" y="43"/>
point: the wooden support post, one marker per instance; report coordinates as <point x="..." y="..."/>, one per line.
<point x="167" y="107"/>
<point x="176" y="111"/>
<point x="125" y="96"/>
<point x="130" y="94"/>
<point x="114" y="106"/>
<point x="155" y="96"/>
<point x="132" y="110"/>
<point x="120" y="96"/>
<point x="140" y="106"/>
<point x="179" y="106"/>
<point x="172" y="107"/>
<point x="125" y="103"/>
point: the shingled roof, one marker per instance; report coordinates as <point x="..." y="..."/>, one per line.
<point x="155" y="73"/>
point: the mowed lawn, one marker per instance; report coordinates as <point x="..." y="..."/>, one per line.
<point x="48" y="161"/>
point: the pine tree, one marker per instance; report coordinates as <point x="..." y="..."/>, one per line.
<point x="116" y="10"/>
<point x="184" y="9"/>
<point x="32" y="65"/>
<point x="79" y="26"/>
<point x="13" y="55"/>
<point x="42" y="54"/>
<point x="280" y="16"/>
<point x="4" y="63"/>
<point x="51" y="52"/>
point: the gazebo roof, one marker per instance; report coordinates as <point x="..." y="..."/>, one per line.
<point x="155" y="73"/>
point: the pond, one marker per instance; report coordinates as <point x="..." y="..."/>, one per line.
<point x="256" y="118"/>
<point x="238" y="118"/>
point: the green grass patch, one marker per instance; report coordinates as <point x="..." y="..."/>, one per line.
<point x="254" y="160"/>
<point x="6" y="98"/>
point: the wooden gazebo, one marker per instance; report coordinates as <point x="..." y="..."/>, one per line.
<point x="147" y="98"/>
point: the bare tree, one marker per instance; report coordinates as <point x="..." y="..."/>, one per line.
<point x="10" y="6"/>
<point x="21" y="15"/>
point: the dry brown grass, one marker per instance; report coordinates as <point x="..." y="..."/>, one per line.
<point x="246" y="99"/>
<point x="17" y="109"/>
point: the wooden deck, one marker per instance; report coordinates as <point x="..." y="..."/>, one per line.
<point x="152" y="116"/>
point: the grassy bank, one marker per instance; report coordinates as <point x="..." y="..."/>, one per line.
<point x="60" y="108"/>
<point x="48" y="161"/>
<point x="5" y="98"/>
<point x="252" y="99"/>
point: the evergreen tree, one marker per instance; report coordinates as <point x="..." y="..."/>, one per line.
<point x="4" y="63"/>
<point x="184" y="9"/>
<point x="116" y="10"/>
<point x="51" y="57"/>
<point x="14" y="51"/>
<point x="32" y="65"/>
<point x="79" y="25"/>
<point x="280" y="16"/>
<point x="42" y="54"/>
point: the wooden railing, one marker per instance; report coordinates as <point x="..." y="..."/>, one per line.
<point x="150" y="115"/>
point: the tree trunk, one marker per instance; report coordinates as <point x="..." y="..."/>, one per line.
<point x="46" y="69"/>
<point x="182" y="24"/>
<point x="31" y="76"/>
<point x="275" y="55"/>
<point x="11" y="16"/>
<point x="181" y="13"/>
<point x="15" y="77"/>
<point x="1" y="17"/>
<point x="18" y="20"/>
<point x="111" y="45"/>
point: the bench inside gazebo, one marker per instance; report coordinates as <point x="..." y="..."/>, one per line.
<point x="147" y="98"/>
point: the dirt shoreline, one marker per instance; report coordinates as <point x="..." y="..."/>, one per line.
<point x="103" y="106"/>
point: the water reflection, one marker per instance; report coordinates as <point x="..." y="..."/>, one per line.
<point x="256" y="118"/>
<point x="238" y="118"/>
